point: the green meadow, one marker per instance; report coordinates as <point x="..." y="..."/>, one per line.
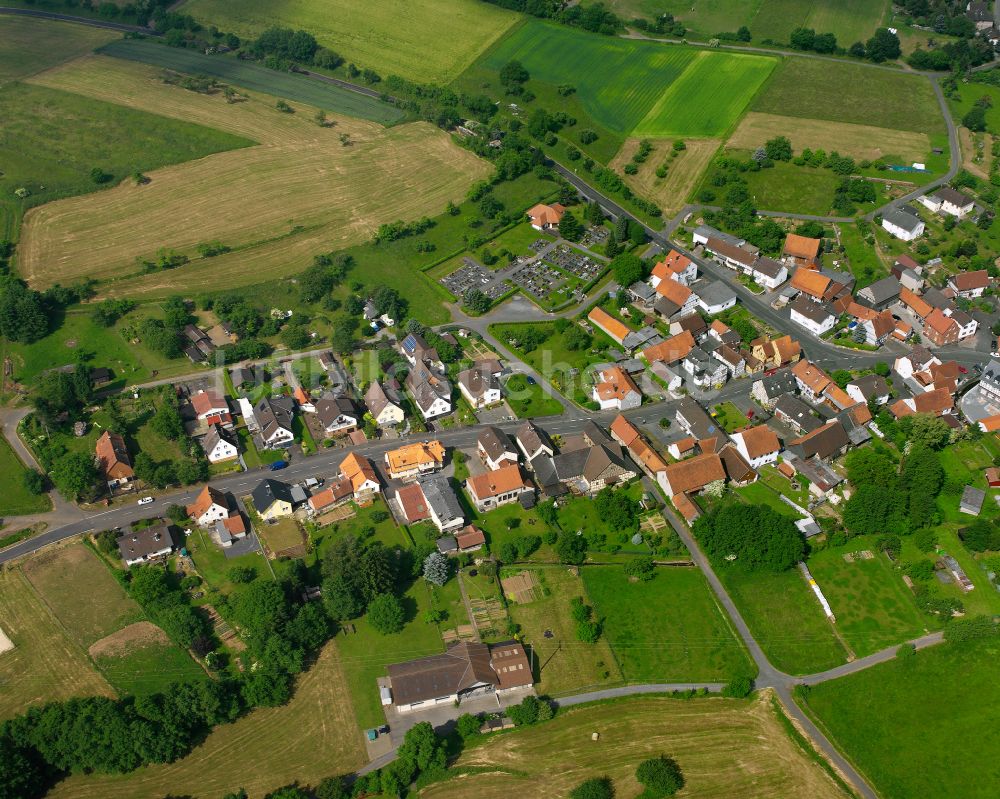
<point x="642" y="87"/>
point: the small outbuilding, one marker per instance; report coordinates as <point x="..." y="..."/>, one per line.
<point x="972" y="501"/>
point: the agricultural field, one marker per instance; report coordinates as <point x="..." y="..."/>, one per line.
<point x="669" y="629"/>
<point x="428" y="41"/>
<point x="873" y="606"/>
<point x="725" y="747"/>
<point x="32" y="45"/>
<point x="804" y="87"/>
<point x="564" y="664"/>
<point x="786" y="619"/>
<point x="773" y="20"/>
<point x="905" y="712"/>
<point x="15" y="499"/>
<point x="858" y="141"/>
<point x="312" y="737"/>
<point x="62" y="576"/>
<point x="683" y="171"/>
<point x="301" y="191"/>
<point x="45" y="664"/>
<point x="247" y="75"/>
<point x="114" y="139"/>
<point x="643" y="88"/>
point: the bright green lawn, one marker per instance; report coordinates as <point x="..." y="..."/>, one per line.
<point x="969" y="94"/>
<point x="806" y="87"/>
<point x="760" y="494"/>
<point x="15" y="500"/>
<point x="70" y="135"/>
<point x="530" y="402"/>
<point x="669" y="629"/>
<point x="149" y="668"/>
<point x="213" y="565"/>
<point x="786" y="619"/>
<point x="873" y="606"/>
<point x="864" y="262"/>
<point x="428" y="41"/>
<point x="920" y="727"/>
<point x="366" y="653"/>
<point x="729" y="416"/>
<point x="708" y="90"/>
<point x="770" y="476"/>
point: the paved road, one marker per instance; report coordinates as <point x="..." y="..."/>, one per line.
<point x="882" y="656"/>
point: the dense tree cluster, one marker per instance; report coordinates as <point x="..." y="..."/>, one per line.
<point x="160" y="595"/>
<point x="750" y="537"/>
<point x="660" y="776"/>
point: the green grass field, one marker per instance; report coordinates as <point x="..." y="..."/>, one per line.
<point x="849" y="20"/>
<point x="804" y="87"/>
<point x="873" y="606"/>
<point x="70" y="135"/>
<point x="786" y="619"/>
<point x="327" y="96"/>
<point x="969" y="94"/>
<point x="429" y="41"/>
<point x="15" y="499"/>
<point x="32" y="45"/>
<point x="530" y="402"/>
<point x="148" y="667"/>
<point x="894" y="721"/>
<point x="669" y="629"/>
<point x="655" y="90"/>
<point x="759" y="494"/>
<point x="365" y="653"/>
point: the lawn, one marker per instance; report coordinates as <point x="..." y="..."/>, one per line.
<point x="299" y="193"/>
<point x="730" y="417"/>
<point x="799" y="189"/>
<point x="530" y="401"/>
<point x="15" y="499"/>
<point x="213" y="565"/>
<point x="786" y="619"/>
<point x="669" y="629"/>
<point x="282" y="535"/>
<point x="430" y="41"/>
<point x="894" y="721"/>
<point x="864" y="262"/>
<point x="248" y="75"/>
<point x="63" y="576"/>
<point x="645" y="87"/>
<point x="71" y="135"/>
<point x="563" y="665"/>
<point x="770" y="476"/>
<point x="312" y="737"/>
<point x="45" y="665"/>
<point x="365" y="654"/>
<point x="803" y="87"/>
<point x="33" y="45"/>
<point x="512" y="521"/>
<point x="759" y="493"/>
<point x="143" y="661"/>
<point x="725" y="747"/>
<point x="873" y="606"/>
<point x="969" y="94"/>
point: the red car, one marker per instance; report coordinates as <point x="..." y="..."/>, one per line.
<point x="770" y="372"/>
<point x="749" y="414"/>
<point x="963" y="370"/>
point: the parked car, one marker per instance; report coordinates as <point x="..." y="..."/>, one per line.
<point x="963" y="370"/>
<point x="146" y="500"/>
<point x="531" y="380"/>
<point x="278" y="465"/>
<point x="750" y="414"/>
<point x="770" y="372"/>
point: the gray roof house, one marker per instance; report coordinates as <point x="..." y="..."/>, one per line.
<point x="442" y="503"/>
<point x="880" y="294"/>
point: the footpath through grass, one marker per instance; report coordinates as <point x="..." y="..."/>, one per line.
<point x="921" y="726"/>
<point x="669" y="629"/>
<point x="327" y="96"/>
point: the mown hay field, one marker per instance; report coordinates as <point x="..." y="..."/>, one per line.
<point x="32" y="45"/>
<point x="646" y="87"/>
<point x="312" y="737"/>
<point x="81" y="593"/>
<point x="45" y="664"/>
<point x="298" y="193"/>
<point x="858" y="141"/>
<point x="683" y="172"/>
<point x="432" y="40"/>
<point x="810" y="88"/>
<point x="726" y="748"/>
